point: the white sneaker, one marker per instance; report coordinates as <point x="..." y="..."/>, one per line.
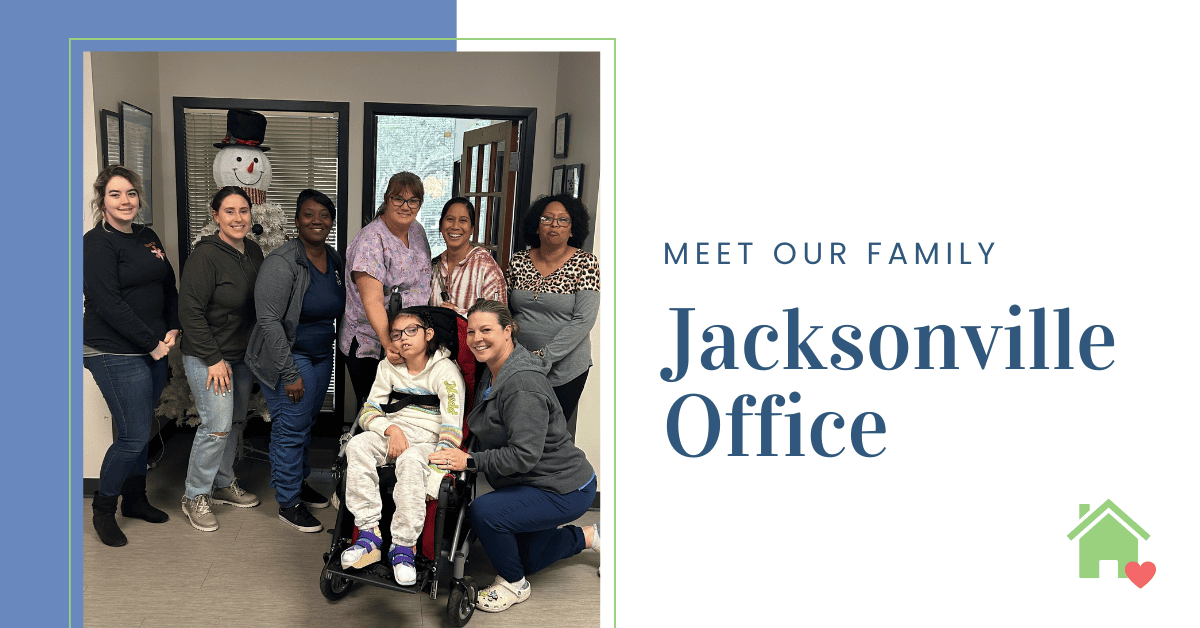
<point x="402" y="564"/>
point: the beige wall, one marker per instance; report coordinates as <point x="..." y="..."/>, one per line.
<point x="510" y="79"/>
<point x="578" y="84"/>
<point x="576" y="72"/>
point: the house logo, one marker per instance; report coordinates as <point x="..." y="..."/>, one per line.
<point x="1107" y="533"/>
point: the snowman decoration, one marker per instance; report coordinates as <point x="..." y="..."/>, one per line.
<point x="241" y="162"/>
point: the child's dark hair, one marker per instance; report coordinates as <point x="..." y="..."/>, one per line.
<point x="423" y="318"/>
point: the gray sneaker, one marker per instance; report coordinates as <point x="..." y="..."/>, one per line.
<point x="199" y="513"/>
<point x="234" y="495"/>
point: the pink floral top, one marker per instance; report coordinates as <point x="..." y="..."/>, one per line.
<point x="478" y="276"/>
<point x="377" y="252"/>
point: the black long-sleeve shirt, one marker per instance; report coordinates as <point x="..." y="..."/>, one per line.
<point x="129" y="296"/>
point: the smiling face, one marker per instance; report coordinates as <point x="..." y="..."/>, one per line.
<point x="487" y="339"/>
<point x="313" y="222"/>
<point x="121" y="203"/>
<point x="555" y="235"/>
<point x="242" y="166"/>
<point x="233" y="218"/>
<point x="398" y="208"/>
<point x="412" y="338"/>
<point x="456" y="227"/>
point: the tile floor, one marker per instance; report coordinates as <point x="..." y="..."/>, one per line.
<point x="257" y="571"/>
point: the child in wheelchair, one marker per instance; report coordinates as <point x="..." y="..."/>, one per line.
<point x="407" y="435"/>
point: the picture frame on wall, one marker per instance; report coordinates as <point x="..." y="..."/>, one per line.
<point x="562" y="134"/>
<point x="137" y="154"/>
<point x="573" y="180"/>
<point x="556" y="180"/>
<point x="110" y="138"/>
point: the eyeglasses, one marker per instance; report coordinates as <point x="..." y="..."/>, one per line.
<point x="563" y="221"/>
<point x="412" y="203"/>
<point x="411" y="330"/>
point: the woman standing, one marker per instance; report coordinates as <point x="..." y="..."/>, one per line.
<point x="130" y="322"/>
<point x="556" y="294"/>
<point x="542" y="480"/>
<point x="464" y="273"/>
<point x="297" y="297"/>
<point x="390" y="253"/>
<point x="216" y="308"/>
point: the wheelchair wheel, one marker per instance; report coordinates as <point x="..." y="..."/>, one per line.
<point x="334" y="587"/>
<point x="461" y="605"/>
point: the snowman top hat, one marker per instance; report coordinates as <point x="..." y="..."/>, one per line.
<point x="244" y="128"/>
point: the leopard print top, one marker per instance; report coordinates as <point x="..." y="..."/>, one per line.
<point x="580" y="272"/>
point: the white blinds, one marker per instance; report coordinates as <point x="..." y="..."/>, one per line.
<point x="303" y="155"/>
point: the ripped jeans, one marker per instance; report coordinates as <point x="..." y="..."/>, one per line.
<point x="222" y="419"/>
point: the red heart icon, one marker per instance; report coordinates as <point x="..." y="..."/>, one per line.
<point x="1139" y="574"/>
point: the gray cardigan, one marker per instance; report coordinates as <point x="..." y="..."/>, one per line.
<point x="520" y="432"/>
<point x="278" y="297"/>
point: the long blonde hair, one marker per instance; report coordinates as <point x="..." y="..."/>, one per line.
<point x="101" y="184"/>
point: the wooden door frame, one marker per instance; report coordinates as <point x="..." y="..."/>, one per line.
<point x="527" y="116"/>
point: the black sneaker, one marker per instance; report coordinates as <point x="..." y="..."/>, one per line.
<point x="298" y="517"/>
<point x="311" y="497"/>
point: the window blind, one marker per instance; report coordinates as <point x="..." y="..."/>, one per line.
<point x="303" y="155"/>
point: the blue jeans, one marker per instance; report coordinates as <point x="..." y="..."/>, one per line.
<point x="131" y="385"/>
<point x="518" y="527"/>
<point x="291" y="426"/>
<point x="222" y="419"/>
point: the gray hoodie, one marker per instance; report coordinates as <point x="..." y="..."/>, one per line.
<point x="521" y="434"/>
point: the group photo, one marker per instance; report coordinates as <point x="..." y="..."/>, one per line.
<point x="341" y="341"/>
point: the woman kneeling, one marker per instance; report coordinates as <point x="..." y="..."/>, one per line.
<point x="408" y="436"/>
<point x="542" y="479"/>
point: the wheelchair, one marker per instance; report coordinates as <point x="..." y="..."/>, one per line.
<point x="446" y="537"/>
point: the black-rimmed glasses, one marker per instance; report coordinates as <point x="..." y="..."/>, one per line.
<point x="410" y="331"/>
<point x="413" y="203"/>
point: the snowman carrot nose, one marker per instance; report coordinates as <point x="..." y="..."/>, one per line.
<point x="250" y="168"/>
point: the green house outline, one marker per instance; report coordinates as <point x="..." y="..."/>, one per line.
<point x="1107" y="540"/>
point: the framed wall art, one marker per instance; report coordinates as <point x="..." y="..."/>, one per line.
<point x="556" y="180"/>
<point x="110" y="138"/>
<point x="562" y="134"/>
<point x="137" y="135"/>
<point x="573" y="180"/>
